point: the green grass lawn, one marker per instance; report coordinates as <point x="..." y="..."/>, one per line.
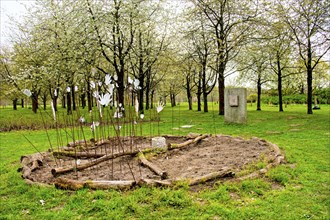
<point x="298" y="189"/>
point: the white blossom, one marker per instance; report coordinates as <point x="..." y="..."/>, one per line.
<point x="100" y="83"/>
<point x="105" y="99"/>
<point x="130" y="81"/>
<point x="27" y="92"/>
<point x="141" y="116"/>
<point x="94" y="125"/>
<point x="96" y="94"/>
<point x="68" y="89"/>
<point x="110" y="89"/>
<point x="92" y="84"/>
<point x="136" y="84"/>
<point x="115" y="77"/>
<point x="118" y="114"/>
<point x="107" y="80"/>
<point x="160" y="107"/>
<point x="82" y="119"/>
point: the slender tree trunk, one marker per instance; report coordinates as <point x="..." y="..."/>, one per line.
<point x="73" y="93"/>
<point x="279" y="85"/>
<point x="152" y="99"/>
<point x="63" y="101"/>
<point x="55" y="99"/>
<point x="44" y="101"/>
<point x="34" y="102"/>
<point x="148" y="95"/>
<point x="189" y="97"/>
<point x="309" y="79"/>
<point x="199" y="93"/>
<point x="15" y="103"/>
<point x="204" y="89"/>
<point x="221" y="91"/>
<point x="141" y="94"/>
<point x="22" y="103"/>
<point x="172" y="97"/>
<point x="68" y="100"/>
<point x="259" y="94"/>
<point x="83" y="100"/>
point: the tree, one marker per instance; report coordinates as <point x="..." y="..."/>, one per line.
<point x="308" y="21"/>
<point x="231" y="24"/>
<point x="255" y="64"/>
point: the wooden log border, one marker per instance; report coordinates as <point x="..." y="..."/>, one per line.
<point x="34" y="161"/>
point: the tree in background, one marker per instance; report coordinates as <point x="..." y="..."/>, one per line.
<point x="309" y="22"/>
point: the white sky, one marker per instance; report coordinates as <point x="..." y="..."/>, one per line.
<point x="11" y="10"/>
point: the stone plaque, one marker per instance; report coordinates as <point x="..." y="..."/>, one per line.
<point x="233" y="100"/>
<point x="235" y="105"/>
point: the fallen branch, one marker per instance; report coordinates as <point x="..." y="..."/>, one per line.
<point x="154" y="183"/>
<point x="152" y="167"/>
<point x="60" y="170"/>
<point x="186" y="143"/>
<point x="77" y="154"/>
<point x="64" y="183"/>
<point x="113" y="184"/>
<point x="225" y="172"/>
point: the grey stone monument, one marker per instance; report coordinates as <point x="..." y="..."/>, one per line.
<point x="235" y="105"/>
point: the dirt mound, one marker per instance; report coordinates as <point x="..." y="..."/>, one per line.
<point x="123" y="162"/>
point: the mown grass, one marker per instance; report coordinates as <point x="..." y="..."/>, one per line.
<point x="298" y="189"/>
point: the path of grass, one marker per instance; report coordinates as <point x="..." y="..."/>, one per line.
<point x="296" y="190"/>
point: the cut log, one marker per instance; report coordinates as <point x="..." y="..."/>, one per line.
<point x="76" y="143"/>
<point x="225" y="172"/>
<point x="77" y="154"/>
<point x="154" y="183"/>
<point x="60" y="170"/>
<point x="152" y="167"/>
<point x="64" y="183"/>
<point x="186" y="143"/>
<point x="31" y="163"/>
<point x="113" y="184"/>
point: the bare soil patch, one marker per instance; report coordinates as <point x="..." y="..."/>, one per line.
<point x="201" y="160"/>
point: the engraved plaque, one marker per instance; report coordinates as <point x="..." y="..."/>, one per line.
<point x="233" y="100"/>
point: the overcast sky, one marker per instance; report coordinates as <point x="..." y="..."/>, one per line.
<point x="11" y="10"/>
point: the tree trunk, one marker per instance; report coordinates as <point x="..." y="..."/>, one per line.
<point x="309" y="79"/>
<point x="199" y="93"/>
<point x="279" y="88"/>
<point x="206" y="109"/>
<point x="148" y="92"/>
<point x="279" y="84"/>
<point x="259" y="94"/>
<point x="63" y="101"/>
<point x="189" y="97"/>
<point x="221" y="91"/>
<point x="55" y="100"/>
<point x="172" y="97"/>
<point x="22" y="103"/>
<point x="15" y="103"/>
<point x="68" y="100"/>
<point x="152" y="99"/>
<point x="83" y="100"/>
<point x="34" y="102"/>
<point x="44" y="101"/>
<point x="141" y="93"/>
<point x="73" y="93"/>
